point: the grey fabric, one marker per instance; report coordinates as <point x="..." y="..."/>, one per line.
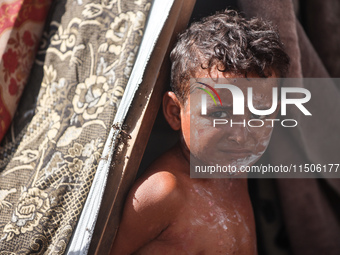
<point x="322" y="24"/>
<point x="311" y="221"/>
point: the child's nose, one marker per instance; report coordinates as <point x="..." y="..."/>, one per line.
<point x="238" y="135"/>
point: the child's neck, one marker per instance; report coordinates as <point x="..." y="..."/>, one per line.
<point x="185" y="152"/>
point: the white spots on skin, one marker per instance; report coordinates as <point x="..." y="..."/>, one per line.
<point x="218" y="218"/>
<point x="246" y="227"/>
<point x="249" y="160"/>
<point x="259" y="99"/>
<point x="238" y="216"/>
<point x="262" y="143"/>
<point x="241" y="219"/>
<point x="198" y="221"/>
<point x="248" y="130"/>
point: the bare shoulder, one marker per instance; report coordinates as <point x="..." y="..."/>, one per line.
<point x="157" y="186"/>
<point x="160" y="186"/>
<point x="151" y="206"/>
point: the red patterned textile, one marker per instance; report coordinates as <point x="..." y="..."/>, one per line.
<point x="21" y="24"/>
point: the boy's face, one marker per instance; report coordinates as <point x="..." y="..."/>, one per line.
<point x="224" y="144"/>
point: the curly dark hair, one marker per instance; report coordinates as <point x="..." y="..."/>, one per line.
<point x="230" y="43"/>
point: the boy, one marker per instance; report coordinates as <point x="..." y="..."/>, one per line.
<point x="166" y="211"/>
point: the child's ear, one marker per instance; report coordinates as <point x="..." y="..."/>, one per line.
<point x="172" y="110"/>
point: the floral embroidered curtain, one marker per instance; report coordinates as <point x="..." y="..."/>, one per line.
<point x="51" y="151"/>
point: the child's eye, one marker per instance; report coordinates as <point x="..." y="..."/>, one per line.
<point x="255" y="116"/>
<point x="219" y="114"/>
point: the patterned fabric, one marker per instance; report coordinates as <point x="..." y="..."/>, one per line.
<point x="21" y="25"/>
<point x="50" y="154"/>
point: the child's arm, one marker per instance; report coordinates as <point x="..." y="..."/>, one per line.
<point x="151" y="205"/>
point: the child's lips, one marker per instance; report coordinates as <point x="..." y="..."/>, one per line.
<point x="237" y="152"/>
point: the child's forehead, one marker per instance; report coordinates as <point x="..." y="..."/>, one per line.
<point x="209" y="80"/>
<point x="215" y="75"/>
<point x="262" y="88"/>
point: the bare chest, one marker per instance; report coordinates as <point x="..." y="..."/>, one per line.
<point x="208" y="224"/>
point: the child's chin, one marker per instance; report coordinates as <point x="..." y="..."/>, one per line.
<point x="246" y="161"/>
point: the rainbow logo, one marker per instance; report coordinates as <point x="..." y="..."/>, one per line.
<point x="209" y="93"/>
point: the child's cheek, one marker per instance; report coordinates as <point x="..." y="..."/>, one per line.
<point x="263" y="139"/>
<point x="260" y="142"/>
